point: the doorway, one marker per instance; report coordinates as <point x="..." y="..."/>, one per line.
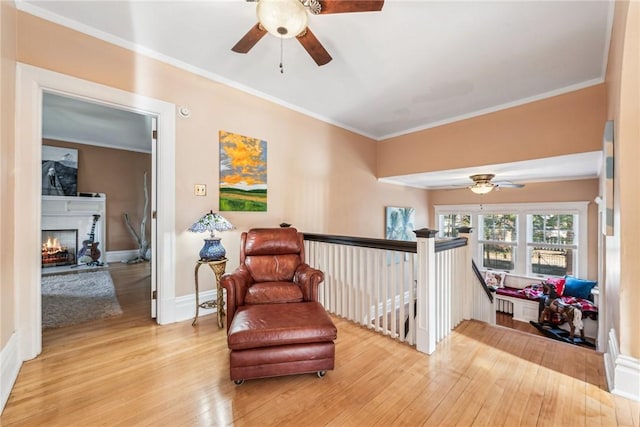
<point x="111" y="152"/>
<point x="32" y="83"/>
<point x="103" y="155"/>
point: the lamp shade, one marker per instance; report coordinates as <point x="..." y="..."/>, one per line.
<point x="211" y="222"/>
<point x="482" y="187"/>
<point x="282" y="18"/>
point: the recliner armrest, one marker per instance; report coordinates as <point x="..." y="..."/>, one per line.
<point x="236" y="284"/>
<point x="308" y="278"/>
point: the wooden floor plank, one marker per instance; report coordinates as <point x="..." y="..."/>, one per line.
<point x="128" y="371"/>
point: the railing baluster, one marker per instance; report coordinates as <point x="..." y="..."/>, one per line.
<point x="378" y="285"/>
<point x="342" y="295"/>
<point x="360" y="282"/>
<point x="402" y="282"/>
<point x="447" y="293"/>
<point x="371" y="259"/>
<point x="412" y="298"/>
<point x="393" y="286"/>
<point x="334" y="280"/>
<point x="384" y="295"/>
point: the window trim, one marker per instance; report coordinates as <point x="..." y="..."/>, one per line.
<point x="581" y="208"/>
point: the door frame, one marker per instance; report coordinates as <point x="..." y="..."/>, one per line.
<point x="31" y="83"/>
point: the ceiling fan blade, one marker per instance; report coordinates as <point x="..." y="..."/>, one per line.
<point x="507" y="184"/>
<point x="346" y="6"/>
<point x="250" y="39"/>
<point x="314" y="47"/>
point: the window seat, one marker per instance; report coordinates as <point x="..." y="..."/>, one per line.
<point x="520" y="297"/>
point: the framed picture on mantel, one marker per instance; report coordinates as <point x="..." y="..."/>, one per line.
<point x="59" y="171"/>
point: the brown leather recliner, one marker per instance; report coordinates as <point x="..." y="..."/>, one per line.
<point x="275" y="326"/>
<point x="272" y="270"/>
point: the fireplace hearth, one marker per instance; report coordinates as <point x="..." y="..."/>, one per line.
<point x="59" y="247"/>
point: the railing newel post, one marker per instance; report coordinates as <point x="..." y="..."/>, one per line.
<point x="468" y="278"/>
<point x="426" y="327"/>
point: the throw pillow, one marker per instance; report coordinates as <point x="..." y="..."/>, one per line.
<point x="495" y="279"/>
<point x="559" y="284"/>
<point x="579" y="288"/>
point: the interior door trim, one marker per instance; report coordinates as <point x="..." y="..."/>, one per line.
<point x="31" y="83"/>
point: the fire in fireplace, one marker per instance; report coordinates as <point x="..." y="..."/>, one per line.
<point x="59" y="247"/>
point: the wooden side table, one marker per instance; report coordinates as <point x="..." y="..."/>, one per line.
<point x="217" y="266"/>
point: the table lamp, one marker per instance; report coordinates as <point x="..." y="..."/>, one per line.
<point x="211" y="222"/>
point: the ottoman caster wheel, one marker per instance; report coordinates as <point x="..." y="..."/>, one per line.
<point x="321" y="373"/>
<point x="238" y="382"/>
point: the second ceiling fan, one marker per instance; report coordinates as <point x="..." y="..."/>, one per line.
<point x="288" y="19"/>
<point x="482" y="183"/>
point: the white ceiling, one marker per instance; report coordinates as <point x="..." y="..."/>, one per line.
<point x="583" y="166"/>
<point x="414" y="65"/>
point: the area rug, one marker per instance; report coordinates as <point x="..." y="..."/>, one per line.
<point x="69" y="299"/>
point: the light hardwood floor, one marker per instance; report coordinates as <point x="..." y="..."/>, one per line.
<point x="129" y="371"/>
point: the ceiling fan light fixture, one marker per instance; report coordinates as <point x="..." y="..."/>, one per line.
<point x="282" y="18"/>
<point x="482" y="187"/>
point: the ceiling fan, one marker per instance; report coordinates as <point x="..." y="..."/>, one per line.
<point x="288" y="18"/>
<point x="482" y="184"/>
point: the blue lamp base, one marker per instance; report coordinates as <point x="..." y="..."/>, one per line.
<point x="212" y="250"/>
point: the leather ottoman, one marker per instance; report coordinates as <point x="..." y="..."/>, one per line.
<point x="268" y="340"/>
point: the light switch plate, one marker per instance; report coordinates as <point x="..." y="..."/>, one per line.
<point x="200" y="190"/>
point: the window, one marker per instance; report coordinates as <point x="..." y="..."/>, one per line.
<point x="499" y="241"/>
<point x="449" y="223"/>
<point x="529" y="239"/>
<point x="551" y="244"/>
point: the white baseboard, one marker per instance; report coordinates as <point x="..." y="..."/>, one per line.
<point x="610" y="359"/>
<point x="186" y="305"/>
<point x="623" y="372"/>
<point x="121" y="256"/>
<point x="10" y="364"/>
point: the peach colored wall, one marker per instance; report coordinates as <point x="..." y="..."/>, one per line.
<point x="611" y="245"/>
<point x="7" y="193"/>
<point x="119" y="174"/>
<point x="623" y="90"/>
<point x="320" y="178"/>
<point x="566" y="191"/>
<point x="564" y="124"/>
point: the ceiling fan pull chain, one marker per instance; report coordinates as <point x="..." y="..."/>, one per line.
<point x="281" y="48"/>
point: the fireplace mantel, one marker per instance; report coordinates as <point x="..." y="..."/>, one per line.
<point x="73" y="205"/>
<point x="69" y="212"/>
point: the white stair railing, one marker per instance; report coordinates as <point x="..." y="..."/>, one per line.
<point x="415" y="292"/>
<point x="367" y="281"/>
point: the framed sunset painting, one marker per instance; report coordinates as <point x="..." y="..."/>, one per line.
<point x="243" y="173"/>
